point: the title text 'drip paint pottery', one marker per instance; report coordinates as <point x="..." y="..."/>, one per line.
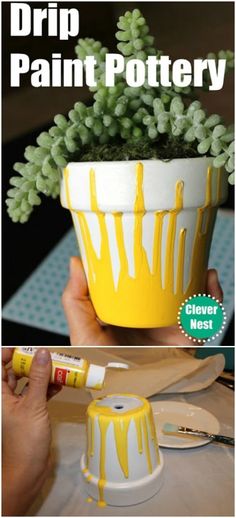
<point x="144" y="231"/>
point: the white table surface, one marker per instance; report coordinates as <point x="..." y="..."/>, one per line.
<point x="198" y="482"/>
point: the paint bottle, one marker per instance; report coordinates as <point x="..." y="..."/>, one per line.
<point x="71" y="371"/>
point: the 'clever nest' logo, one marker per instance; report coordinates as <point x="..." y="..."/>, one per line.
<point x="201" y="318"/>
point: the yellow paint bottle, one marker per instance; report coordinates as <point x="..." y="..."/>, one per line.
<point x="71" y="371"/>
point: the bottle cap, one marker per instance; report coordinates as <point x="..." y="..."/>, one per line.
<point x="95" y="376"/>
<point x="116" y="365"/>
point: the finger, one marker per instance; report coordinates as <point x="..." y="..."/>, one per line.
<point x="9" y="385"/>
<point x="213" y="285"/>
<point x="84" y="328"/>
<point x="52" y="391"/>
<point x="39" y="378"/>
<point x="7" y="354"/>
<point x="11" y="379"/>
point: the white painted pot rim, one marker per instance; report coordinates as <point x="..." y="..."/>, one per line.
<point x="115" y="184"/>
<point x="129" y="492"/>
<point x="145" y="160"/>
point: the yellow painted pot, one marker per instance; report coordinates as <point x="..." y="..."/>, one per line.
<point x="144" y="230"/>
<point x="122" y="465"/>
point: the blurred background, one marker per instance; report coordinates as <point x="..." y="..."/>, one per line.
<point x="181" y="29"/>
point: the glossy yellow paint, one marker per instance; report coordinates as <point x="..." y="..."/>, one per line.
<point x="145" y="300"/>
<point x="145" y="432"/>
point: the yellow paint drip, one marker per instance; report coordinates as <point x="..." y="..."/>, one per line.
<point x="121" y="246"/>
<point x="152" y="297"/>
<point x="152" y="429"/>
<point x="139" y="436"/>
<point x="171" y="234"/>
<point x="103" y="425"/>
<point x="145" y="432"/>
<point x="180" y="265"/>
<point x="93" y="192"/>
<point x="146" y="443"/>
<point x="101" y="503"/>
<point x="205" y="214"/>
<point x="121" y="437"/>
<point x="88" y="477"/>
<point x="139" y="199"/>
<point x="89" y="500"/>
<point x="90" y="435"/>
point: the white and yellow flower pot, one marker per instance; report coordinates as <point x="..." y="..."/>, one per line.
<point x="122" y="465"/>
<point x="144" y="230"/>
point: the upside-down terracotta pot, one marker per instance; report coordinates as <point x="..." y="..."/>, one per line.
<point x="122" y="464"/>
<point x="144" y="230"/>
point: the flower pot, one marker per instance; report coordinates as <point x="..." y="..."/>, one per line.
<point x="144" y="231"/>
<point x="122" y="465"/>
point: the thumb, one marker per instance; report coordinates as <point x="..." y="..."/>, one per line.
<point x="39" y="378"/>
<point x="213" y="285"/>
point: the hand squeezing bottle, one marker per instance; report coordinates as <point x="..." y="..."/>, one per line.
<point x="68" y="370"/>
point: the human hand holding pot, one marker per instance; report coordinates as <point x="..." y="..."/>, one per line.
<point x="26" y="433"/>
<point x="86" y="329"/>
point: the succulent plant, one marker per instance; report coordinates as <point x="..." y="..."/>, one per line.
<point x="153" y="121"/>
